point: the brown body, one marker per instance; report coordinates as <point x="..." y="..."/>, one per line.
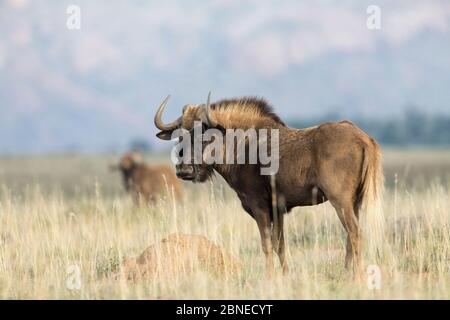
<point x="147" y="183"/>
<point x="337" y="162"/>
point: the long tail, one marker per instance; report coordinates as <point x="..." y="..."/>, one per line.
<point x="370" y="197"/>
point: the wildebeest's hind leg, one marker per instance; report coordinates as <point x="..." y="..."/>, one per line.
<point x="278" y="243"/>
<point x="343" y="203"/>
<point x="340" y="186"/>
<point x="349" y="253"/>
<point x="349" y="220"/>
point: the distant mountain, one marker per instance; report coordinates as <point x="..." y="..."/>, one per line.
<point x="96" y="89"/>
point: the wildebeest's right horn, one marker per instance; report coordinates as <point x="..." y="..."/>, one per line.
<point x="158" y="121"/>
<point x="211" y="123"/>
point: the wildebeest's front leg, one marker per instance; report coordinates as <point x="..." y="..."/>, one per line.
<point x="278" y="243"/>
<point x="263" y="220"/>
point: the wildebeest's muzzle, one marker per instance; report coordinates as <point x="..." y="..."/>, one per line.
<point x="186" y="171"/>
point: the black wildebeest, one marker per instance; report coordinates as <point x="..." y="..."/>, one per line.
<point x="335" y="162"/>
<point x="146" y="183"/>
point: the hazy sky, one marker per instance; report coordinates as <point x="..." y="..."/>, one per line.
<point x="98" y="87"/>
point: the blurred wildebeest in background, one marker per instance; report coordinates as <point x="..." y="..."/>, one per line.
<point x="147" y="183"/>
<point x="332" y="161"/>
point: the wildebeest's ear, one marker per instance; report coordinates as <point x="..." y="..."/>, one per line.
<point x="165" y="135"/>
<point x="222" y="129"/>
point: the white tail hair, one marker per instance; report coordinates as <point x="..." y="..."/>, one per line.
<point x="370" y="198"/>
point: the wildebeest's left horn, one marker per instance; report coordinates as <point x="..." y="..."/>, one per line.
<point x="158" y="121"/>
<point x="210" y="122"/>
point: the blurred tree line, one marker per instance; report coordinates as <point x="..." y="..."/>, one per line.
<point x="413" y="127"/>
<point x="140" y="144"/>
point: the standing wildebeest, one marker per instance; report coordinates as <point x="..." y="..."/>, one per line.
<point x="146" y="183"/>
<point x="333" y="161"/>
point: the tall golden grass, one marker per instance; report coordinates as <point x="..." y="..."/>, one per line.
<point x="43" y="232"/>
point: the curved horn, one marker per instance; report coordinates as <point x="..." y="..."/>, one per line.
<point x="158" y="121"/>
<point x="211" y="123"/>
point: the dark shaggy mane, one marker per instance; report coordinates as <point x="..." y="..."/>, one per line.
<point x="249" y="103"/>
